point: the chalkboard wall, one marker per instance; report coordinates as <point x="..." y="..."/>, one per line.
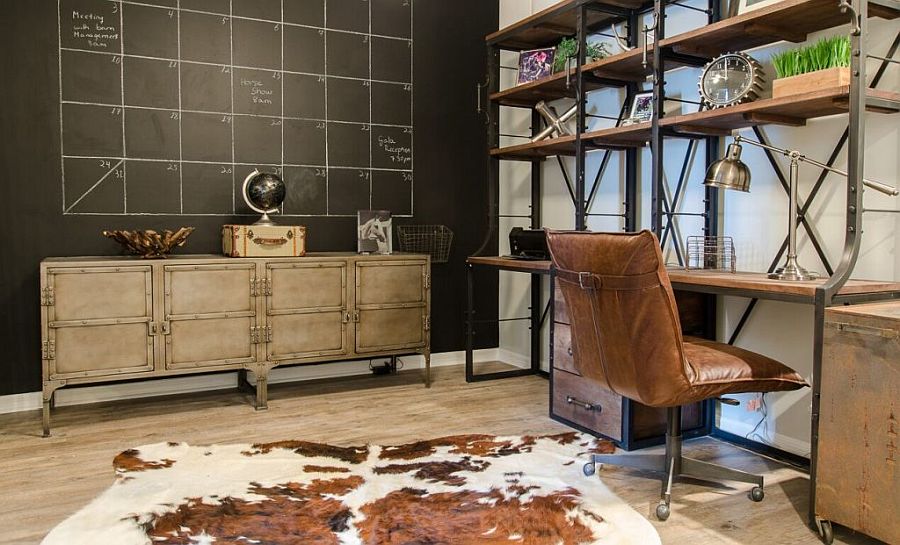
<point x="37" y="219"/>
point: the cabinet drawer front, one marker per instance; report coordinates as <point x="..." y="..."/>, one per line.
<point x="390" y="282"/>
<point x="209" y="289"/>
<point x="210" y="343"/>
<point x="390" y="329"/>
<point x="101" y="350"/>
<point x="562" y="349"/>
<point x="298" y="336"/>
<point x="570" y="392"/>
<point x="307" y="286"/>
<point x="560" y="308"/>
<point x="101" y="293"/>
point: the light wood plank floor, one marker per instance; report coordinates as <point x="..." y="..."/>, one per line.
<point x="46" y="480"/>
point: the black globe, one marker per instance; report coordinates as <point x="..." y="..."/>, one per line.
<point x="266" y="191"/>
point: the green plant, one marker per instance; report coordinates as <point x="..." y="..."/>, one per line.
<point x="568" y="48"/>
<point x="826" y="53"/>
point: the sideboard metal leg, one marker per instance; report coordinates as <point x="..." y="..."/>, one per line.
<point x="427" y="368"/>
<point x="262" y="391"/>
<point x="46" y="417"/>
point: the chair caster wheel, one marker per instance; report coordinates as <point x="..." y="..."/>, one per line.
<point x="662" y="511"/>
<point x="826" y="532"/>
<point x="756" y="494"/>
<point x="589" y="469"/>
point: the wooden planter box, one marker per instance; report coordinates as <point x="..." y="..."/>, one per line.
<point x="813" y="81"/>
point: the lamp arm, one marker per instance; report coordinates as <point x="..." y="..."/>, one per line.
<point x="877" y="186"/>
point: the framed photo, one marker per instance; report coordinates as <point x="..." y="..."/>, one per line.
<point x="749" y="5"/>
<point x="641" y="107"/>
<point x="374" y="233"/>
<point x="536" y="64"/>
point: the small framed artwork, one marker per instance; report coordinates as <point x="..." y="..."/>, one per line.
<point x="374" y="233"/>
<point x="536" y="64"/>
<point x="749" y="5"/>
<point x="641" y="108"/>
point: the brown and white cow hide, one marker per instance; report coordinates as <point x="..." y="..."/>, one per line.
<point x="472" y="489"/>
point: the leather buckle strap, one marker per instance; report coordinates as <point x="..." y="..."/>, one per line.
<point x="589" y="281"/>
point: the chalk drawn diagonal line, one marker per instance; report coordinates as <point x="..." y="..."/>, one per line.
<point x="93" y="187"/>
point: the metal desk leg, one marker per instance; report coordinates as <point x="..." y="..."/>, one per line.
<point x="470" y="331"/>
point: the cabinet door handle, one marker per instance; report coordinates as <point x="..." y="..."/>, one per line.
<point x="569" y="351"/>
<point x="571" y="400"/>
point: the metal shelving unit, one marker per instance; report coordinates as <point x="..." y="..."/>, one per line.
<point x="790" y="20"/>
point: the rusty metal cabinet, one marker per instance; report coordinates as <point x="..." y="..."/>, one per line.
<point x="858" y="478"/>
<point x="112" y="319"/>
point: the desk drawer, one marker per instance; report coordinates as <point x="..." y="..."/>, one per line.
<point x="570" y="395"/>
<point x="562" y="349"/>
<point x="560" y="309"/>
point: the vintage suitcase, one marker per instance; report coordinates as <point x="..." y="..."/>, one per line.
<point x="264" y="240"/>
<point x="858" y="482"/>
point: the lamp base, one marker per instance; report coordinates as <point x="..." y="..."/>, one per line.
<point x="792" y="274"/>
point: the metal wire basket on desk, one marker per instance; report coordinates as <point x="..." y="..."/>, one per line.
<point x="711" y="253"/>
<point x="426" y="239"/>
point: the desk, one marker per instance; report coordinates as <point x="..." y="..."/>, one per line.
<point x="536" y="317"/>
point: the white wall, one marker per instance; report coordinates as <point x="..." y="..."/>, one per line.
<point x="757" y="221"/>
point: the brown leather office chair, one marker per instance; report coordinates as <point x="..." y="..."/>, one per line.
<point x="626" y="335"/>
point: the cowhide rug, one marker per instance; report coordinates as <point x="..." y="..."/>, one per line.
<point x="469" y="489"/>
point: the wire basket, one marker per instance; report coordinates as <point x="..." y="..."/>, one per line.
<point x="426" y="239"/>
<point x="711" y="253"/>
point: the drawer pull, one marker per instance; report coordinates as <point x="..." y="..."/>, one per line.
<point x="270" y="241"/>
<point x="583" y="404"/>
<point x="863" y="329"/>
<point x="569" y="351"/>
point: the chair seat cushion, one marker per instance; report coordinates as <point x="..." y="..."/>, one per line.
<point x="715" y="369"/>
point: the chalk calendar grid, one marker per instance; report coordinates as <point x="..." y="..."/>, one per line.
<point x="166" y="105"/>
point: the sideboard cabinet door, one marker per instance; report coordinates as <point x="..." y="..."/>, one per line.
<point x="211" y="315"/>
<point x="391" y="305"/>
<point x="306" y="310"/>
<point x="98" y="321"/>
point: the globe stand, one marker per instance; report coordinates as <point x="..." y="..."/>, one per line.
<point x="265" y="220"/>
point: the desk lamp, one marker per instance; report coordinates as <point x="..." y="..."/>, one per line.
<point x="732" y="173"/>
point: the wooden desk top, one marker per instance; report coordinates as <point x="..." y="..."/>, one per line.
<point x="510" y="264"/>
<point x="742" y="284"/>
<point x="714" y="281"/>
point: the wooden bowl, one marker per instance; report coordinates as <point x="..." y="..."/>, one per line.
<point x="148" y="243"/>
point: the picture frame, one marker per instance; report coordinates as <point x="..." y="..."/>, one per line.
<point x="374" y="232"/>
<point x="744" y="6"/>
<point x="535" y="64"/>
<point x="641" y="108"/>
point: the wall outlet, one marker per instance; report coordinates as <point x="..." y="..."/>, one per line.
<point x="754" y="404"/>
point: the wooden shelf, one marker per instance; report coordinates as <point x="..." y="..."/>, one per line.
<point x="793" y="111"/>
<point x="546" y="27"/>
<point x="612" y="71"/>
<point x="631" y="136"/>
<point x="790" y="20"/>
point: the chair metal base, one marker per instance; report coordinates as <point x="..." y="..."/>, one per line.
<point x="673" y="465"/>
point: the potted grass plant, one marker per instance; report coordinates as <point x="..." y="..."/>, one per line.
<point x="825" y="63"/>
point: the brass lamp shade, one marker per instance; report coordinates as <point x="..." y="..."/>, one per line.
<point x="730" y="172"/>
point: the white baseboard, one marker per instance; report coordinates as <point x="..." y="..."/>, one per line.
<point x="513" y="358"/>
<point x="222" y="381"/>
<point x="777" y="440"/>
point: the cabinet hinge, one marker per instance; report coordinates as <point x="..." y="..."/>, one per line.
<point x="48" y="350"/>
<point x="254" y="335"/>
<point x="47" y="298"/>
<point x="267" y="286"/>
<point x="254" y="287"/>
<point x="268" y="333"/>
<point x="427" y="281"/>
<point x="427" y="323"/>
